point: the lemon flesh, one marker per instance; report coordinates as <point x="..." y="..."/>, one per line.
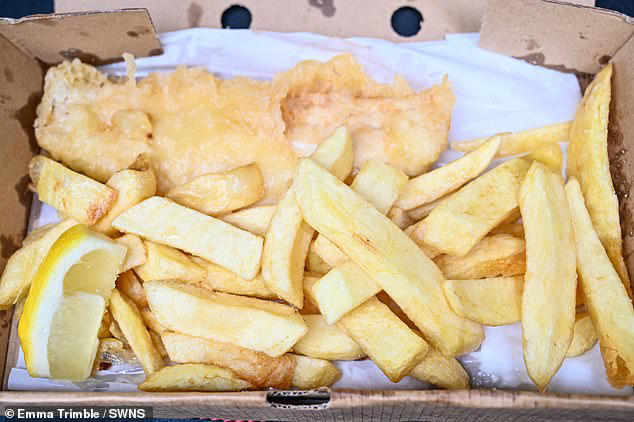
<point x="61" y="317"/>
<point x="78" y="314"/>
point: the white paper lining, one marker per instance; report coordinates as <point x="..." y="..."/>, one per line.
<point x="494" y="94"/>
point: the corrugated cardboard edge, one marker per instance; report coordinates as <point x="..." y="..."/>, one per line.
<point x="621" y="142"/>
<point x="346" y="405"/>
<point x="94" y="37"/>
<point x="562" y="36"/>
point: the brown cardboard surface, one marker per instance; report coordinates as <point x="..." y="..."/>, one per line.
<point x="620" y="142"/>
<point x="20" y="91"/>
<point x="346" y="405"/>
<point x="554" y="34"/>
<point x="95" y="38"/>
<point x="342" y="18"/>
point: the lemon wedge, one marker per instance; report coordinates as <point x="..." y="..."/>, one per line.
<point x="63" y="311"/>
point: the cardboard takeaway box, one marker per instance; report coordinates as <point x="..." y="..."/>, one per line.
<point x="569" y="37"/>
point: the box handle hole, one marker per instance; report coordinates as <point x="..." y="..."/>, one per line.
<point x="407" y="21"/>
<point x="312" y="399"/>
<point x="236" y="17"/>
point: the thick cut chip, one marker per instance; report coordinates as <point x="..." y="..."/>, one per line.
<point x="268" y="327"/>
<point x="514" y="229"/>
<point x="346" y="286"/>
<point x="605" y="296"/>
<point x="380" y="184"/>
<point x="194" y="377"/>
<point x="521" y="142"/>
<point x="17" y="276"/>
<point x="442" y="371"/>
<point x="329" y="252"/>
<point x="325" y="341"/>
<point x="341" y="290"/>
<point x="386" y="254"/>
<point x="336" y="154"/>
<point x="133" y="186"/>
<point x="136" y="254"/>
<point x="385" y="299"/>
<point x="581" y="300"/>
<point x="311" y="373"/>
<point x="104" y="329"/>
<point x="310" y="306"/>
<point x="424" y="210"/>
<point x="584" y="336"/>
<point x="433" y="185"/>
<point x="130" y="321"/>
<point x="40" y="232"/>
<point x="163" y="221"/>
<point x="220" y="193"/>
<point x="222" y="280"/>
<point x="512" y="217"/>
<point x="314" y="262"/>
<point x="128" y="284"/>
<point x="456" y="225"/>
<point x="489" y="301"/>
<point x="74" y="195"/>
<point x="285" y="248"/>
<point x="21" y="267"/>
<point x="400" y="218"/>
<point x="387" y="340"/>
<point x="255" y="219"/>
<point x="166" y="263"/>
<point x="377" y="183"/>
<point x="415" y="232"/>
<point x="588" y="163"/>
<point x="151" y="322"/>
<point x="498" y="255"/>
<point x="112" y="351"/>
<point x="158" y="344"/>
<point x="550" y="282"/>
<point x="257" y="368"/>
<point x="116" y="332"/>
<point x="549" y="155"/>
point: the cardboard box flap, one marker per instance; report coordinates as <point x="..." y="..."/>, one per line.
<point x="620" y="141"/>
<point x="349" y="18"/>
<point x="94" y="37"/>
<point x="20" y="92"/>
<point x="560" y="35"/>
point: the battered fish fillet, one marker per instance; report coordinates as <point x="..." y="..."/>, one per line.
<point x="189" y="123"/>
